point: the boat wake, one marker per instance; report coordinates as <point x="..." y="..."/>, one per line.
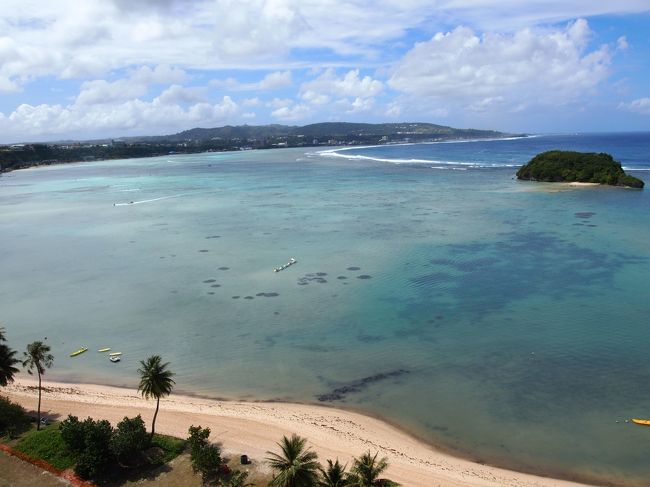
<point x="129" y="203"/>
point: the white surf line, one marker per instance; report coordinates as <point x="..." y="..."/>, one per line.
<point x="148" y="201"/>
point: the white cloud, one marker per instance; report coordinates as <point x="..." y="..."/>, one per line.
<point x="161" y="74"/>
<point x="8" y="86"/>
<point x="103" y="92"/>
<point x="361" y="105"/>
<point x="548" y="65"/>
<point x="272" y="81"/>
<point x="350" y="84"/>
<point x="251" y="102"/>
<point x="315" y="98"/>
<point x="291" y="113"/>
<point x="177" y="94"/>
<point x="502" y="59"/>
<point x="128" y="116"/>
<point x="275" y="80"/>
<point x="280" y="102"/>
<point x="641" y="105"/>
<point x="136" y="84"/>
<point x="78" y="38"/>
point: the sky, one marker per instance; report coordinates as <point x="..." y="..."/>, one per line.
<point x="83" y="69"/>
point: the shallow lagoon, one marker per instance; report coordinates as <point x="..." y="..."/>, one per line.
<point x="505" y="320"/>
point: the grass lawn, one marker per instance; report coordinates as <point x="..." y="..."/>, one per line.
<point x="47" y="445"/>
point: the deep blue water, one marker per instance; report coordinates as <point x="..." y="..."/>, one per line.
<point x="501" y="319"/>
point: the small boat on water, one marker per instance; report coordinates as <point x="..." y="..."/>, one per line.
<point x="644" y="422"/>
<point x="115" y="354"/>
<point x="283" y="267"/>
<point x="115" y="358"/>
<point x="78" y="352"/>
<point x="104" y="349"/>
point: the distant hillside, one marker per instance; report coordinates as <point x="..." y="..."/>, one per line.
<point x="231" y="138"/>
<point x="344" y="130"/>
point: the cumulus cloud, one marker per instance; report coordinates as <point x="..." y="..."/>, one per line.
<point x="102" y="92"/>
<point x="350" y="84"/>
<point x="132" y="115"/>
<point x="547" y="65"/>
<point x="291" y="113"/>
<point x="641" y="105"/>
<point x="118" y="54"/>
<point x="177" y="94"/>
<point x="272" y="81"/>
<point x="350" y="92"/>
<point x="77" y="38"/>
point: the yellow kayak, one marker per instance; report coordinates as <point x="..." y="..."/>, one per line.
<point x="104" y="349"/>
<point x="644" y="422"/>
<point x="78" y="352"/>
<point x="115" y="354"/>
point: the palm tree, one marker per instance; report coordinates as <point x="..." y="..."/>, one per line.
<point x="38" y="357"/>
<point x="334" y="476"/>
<point x="155" y="381"/>
<point x="7" y="361"/>
<point x="296" y="466"/>
<point x="366" y="470"/>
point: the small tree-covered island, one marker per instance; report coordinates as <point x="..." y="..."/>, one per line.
<point x="582" y="167"/>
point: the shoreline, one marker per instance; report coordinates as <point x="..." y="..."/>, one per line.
<point x="253" y="428"/>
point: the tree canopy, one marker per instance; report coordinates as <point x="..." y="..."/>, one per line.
<point x="583" y="167"/>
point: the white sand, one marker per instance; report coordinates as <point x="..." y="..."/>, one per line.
<point x="254" y="428"/>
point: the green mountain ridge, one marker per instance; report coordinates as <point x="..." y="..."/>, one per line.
<point x="319" y="130"/>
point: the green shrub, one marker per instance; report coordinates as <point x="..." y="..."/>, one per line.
<point x="96" y="458"/>
<point x="73" y="433"/>
<point x="205" y="457"/>
<point x="13" y="417"/>
<point x="129" y="440"/>
<point x="92" y="441"/>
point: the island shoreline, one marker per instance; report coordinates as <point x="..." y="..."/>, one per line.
<point x="253" y="427"/>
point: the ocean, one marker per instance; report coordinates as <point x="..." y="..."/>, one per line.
<point x="502" y="320"/>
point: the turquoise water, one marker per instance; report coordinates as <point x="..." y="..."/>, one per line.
<point x="504" y="320"/>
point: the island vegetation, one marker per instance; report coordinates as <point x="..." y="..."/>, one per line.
<point x="582" y="167"/>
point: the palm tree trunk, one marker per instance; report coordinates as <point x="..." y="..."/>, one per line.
<point x="38" y="410"/>
<point x="153" y="423"/>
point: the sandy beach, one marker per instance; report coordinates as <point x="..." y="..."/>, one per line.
<point x="255" y="427"/>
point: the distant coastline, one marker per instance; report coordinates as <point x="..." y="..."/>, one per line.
<point x="227" y="139"/>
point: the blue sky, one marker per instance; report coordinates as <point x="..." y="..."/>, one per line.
<point x="80" y="69"/>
